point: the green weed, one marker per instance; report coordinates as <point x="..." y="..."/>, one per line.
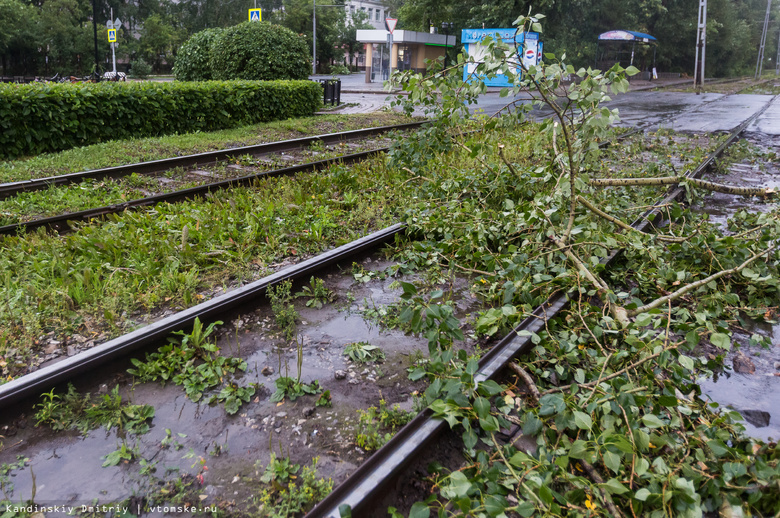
<point x="292" y="389"/>
<point x="289" y="494"/>
<point x="84" y="413"/>
<point x="370" y="431"/>
<point x="364" y="352"/>
<point x="317" y="293"/>
<point x="284" y="312"/>
<point x="196" y="364"/>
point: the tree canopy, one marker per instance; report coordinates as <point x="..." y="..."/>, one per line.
<point x="48" y="36"/>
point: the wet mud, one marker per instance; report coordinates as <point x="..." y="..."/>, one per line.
<point x="220" y="458"/>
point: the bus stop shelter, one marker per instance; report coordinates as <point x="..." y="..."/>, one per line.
<point x="406" y="50"/>
<point x="620" y="47"/>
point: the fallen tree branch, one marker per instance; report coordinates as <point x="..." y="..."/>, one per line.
<point x="529" y="382"/>
<point x="618" y="312"/>
<point x="627" y="182"/>
<point x="670" y="180"/>
<point x="613" y="375"/>
<point x="728" y="189"/>
<point x="692" y="286"/>
<point x="595" y="477"/>
<point x="626" y="226"/>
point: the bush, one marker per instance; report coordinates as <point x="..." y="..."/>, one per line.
<point x="192" y="60"/>
<point x="340" y="70"/>
<point x="41" y="117"/>
<point x="259" y="51"/>
<point x="140" y="69"/>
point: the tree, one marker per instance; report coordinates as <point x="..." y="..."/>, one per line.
<point x="13" y="15"/>
<point x="297" y="16"/>
<point x="159" y="41"/>
<point x="348" y="34"/>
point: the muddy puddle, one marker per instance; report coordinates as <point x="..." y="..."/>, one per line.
<point x="196" y="455"/>
<point x="750" y="380"/>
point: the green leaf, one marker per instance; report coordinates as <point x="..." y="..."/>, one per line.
<point x="614" y="486"/>
<point x="721" y="340"/>
<point x="652" y="421"/>
<point x="482" y="407"/>
<point x="612" y="461"/>
<point x="551" y="404"/>
<point x="686" y="362"/>
<point x="459" y="484"/>
<point x="419" y="510"/>
<point x="579" y="450"/>
<point x="582" y="420"/>
<point x="642" y="494"/>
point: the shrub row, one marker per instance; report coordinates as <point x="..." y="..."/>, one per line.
<point x="39" y="118"/>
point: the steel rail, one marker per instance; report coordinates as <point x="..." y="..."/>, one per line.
<point x="200" y="159"/>
<point x="34" y="383"/>
<point x="367" y="483"/>
<point x="62" y="221"/>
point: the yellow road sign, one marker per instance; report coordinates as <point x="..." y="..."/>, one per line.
<point x="255" y="15"/>
<point x="111" y="35"/>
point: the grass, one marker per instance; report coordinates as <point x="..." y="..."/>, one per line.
<point x="56" y="200"/>
<point x="116" y="153"/>
<point x="105" y="278"/>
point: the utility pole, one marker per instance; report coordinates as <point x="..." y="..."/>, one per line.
<point x="314" y="35"/>
<point x="777" y="61"/>
<point x="701" y="47"/>
<point x="760" y="61"/>
<point x="94" y="29"/>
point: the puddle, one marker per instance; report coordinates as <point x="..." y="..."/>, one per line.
<point x="220" y="456"/>
<point x="750" y="383"/>
<point x="753" y="392"/>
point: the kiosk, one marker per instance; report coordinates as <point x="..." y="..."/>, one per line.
<point x="526" y="44"/>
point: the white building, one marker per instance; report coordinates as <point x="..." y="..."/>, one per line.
<point x="375" y="11"/>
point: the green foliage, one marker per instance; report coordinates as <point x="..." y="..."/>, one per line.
<point x="84" y="413"/>
<point x="124" y="454"/>
<point x="292" y="389"/>
<point x="233" y="396"/>
<point x="283" y="309"/>
<point x="197" y="365"/>
<point x="140" y="69"/>
<point x="259" y="51"/>
<point x="363" y="352"/>
<point x="339" y="70"/>
<point x="370" y="431"/>
<point x="192" y="60"/>
<point x="42" y="117"/>
<point x="619" y="420"/>
<point x="324" y="400"/>
<point x="317" y="293"/>
<point x="288" y="494"/>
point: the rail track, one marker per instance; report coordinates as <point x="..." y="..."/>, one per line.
<point x="61" y="222"/>
<point x="374" y="476"/>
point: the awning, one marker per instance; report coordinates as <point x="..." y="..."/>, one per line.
<point x="626" y="36"/>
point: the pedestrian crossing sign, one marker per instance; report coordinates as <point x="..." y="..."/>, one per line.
<point x="112" y="35"/>
<point x="255" y="15"/>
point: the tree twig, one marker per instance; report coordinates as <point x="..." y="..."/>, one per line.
<point x="529" y="382"/>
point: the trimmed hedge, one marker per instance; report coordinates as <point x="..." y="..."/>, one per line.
<point x="38" y="118"/>
<point x="259" y="51"/>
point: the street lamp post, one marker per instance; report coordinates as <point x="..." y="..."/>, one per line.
<point x="314" y="35"/>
